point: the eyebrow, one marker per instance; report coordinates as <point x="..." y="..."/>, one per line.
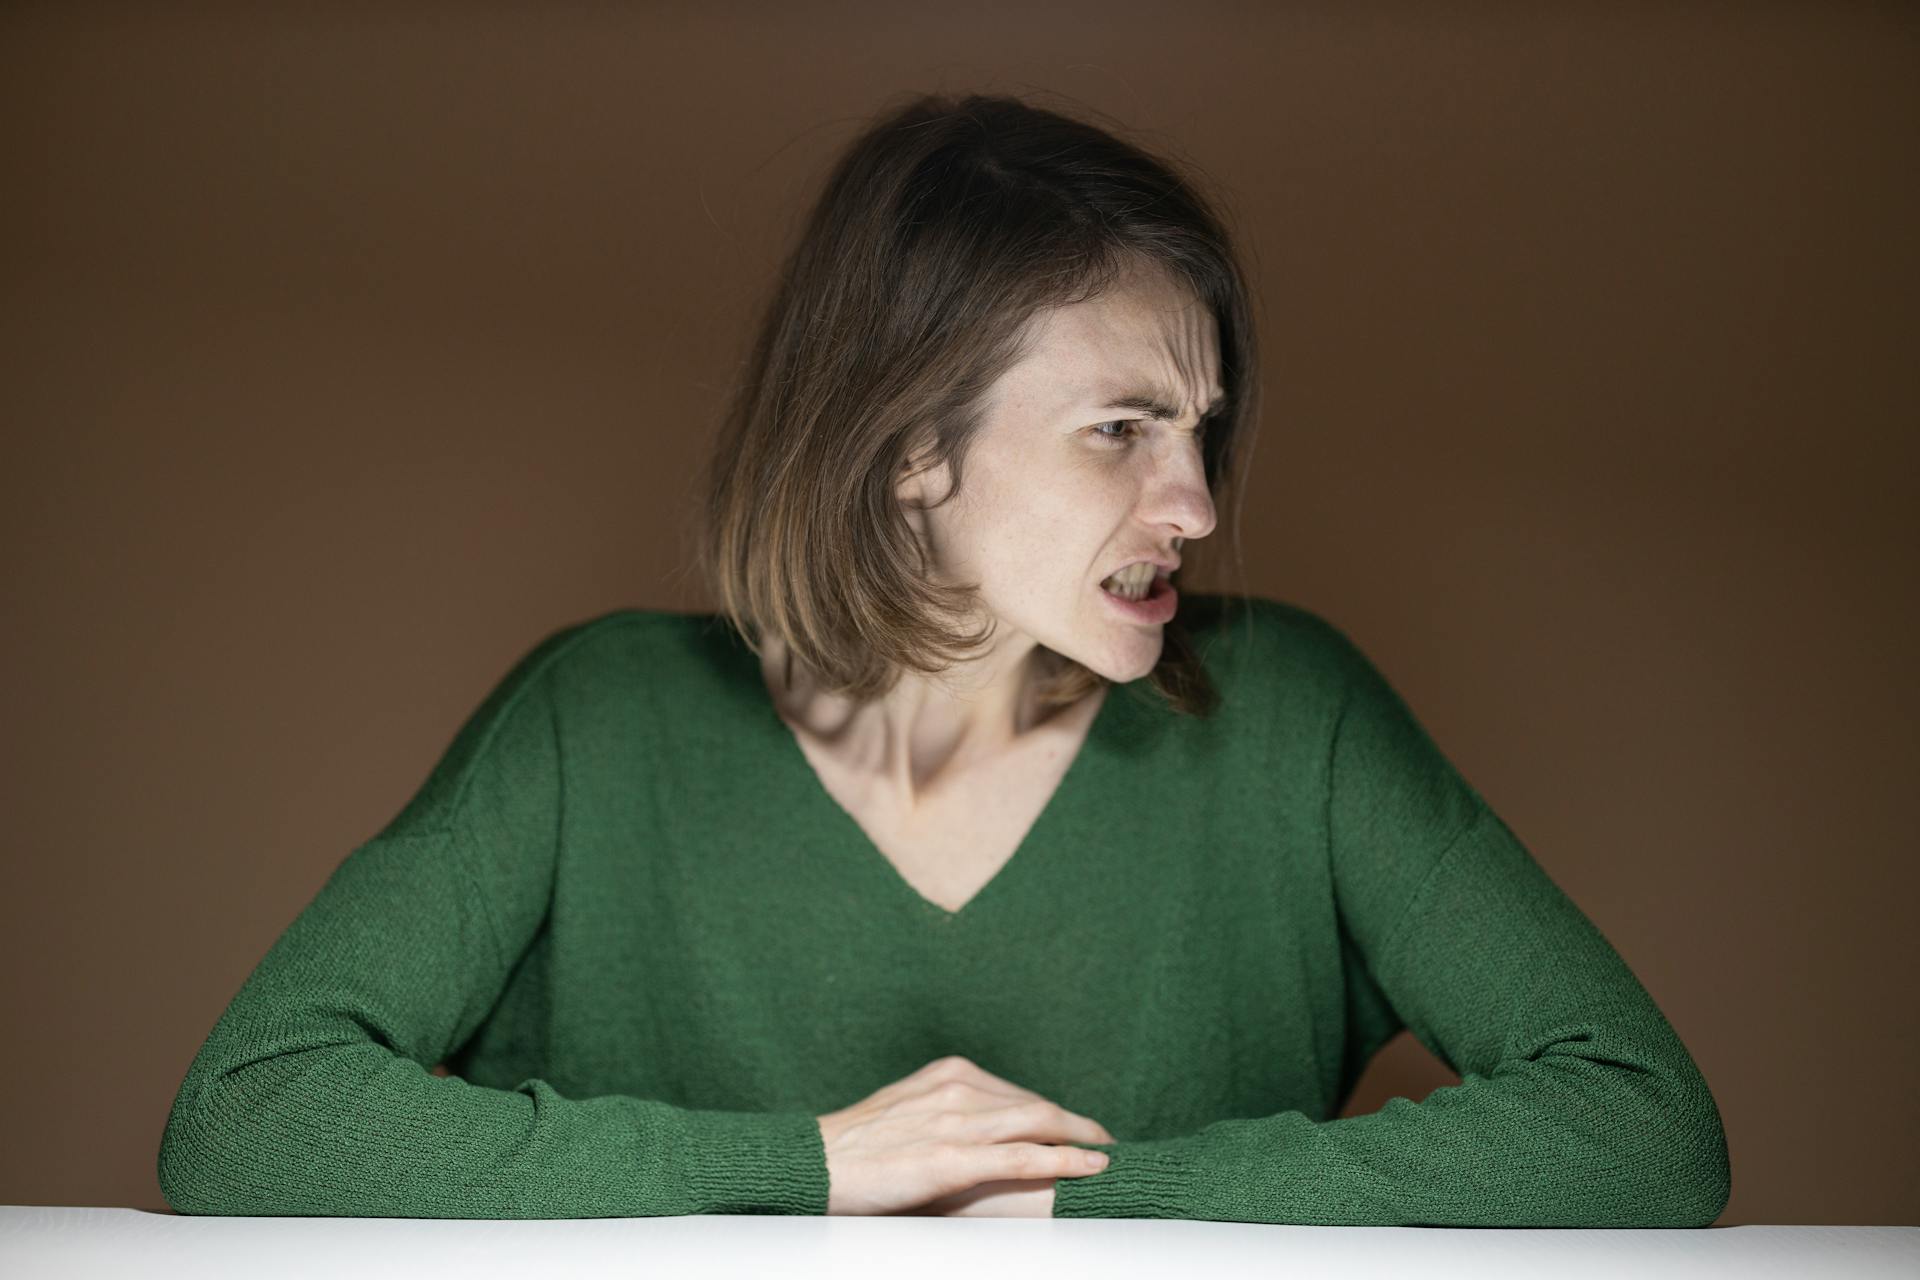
<point x="1156" y="405"/>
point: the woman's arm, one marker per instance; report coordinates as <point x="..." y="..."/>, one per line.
<point x="1578" y="1105"/>
<point x="313" y="1094"/>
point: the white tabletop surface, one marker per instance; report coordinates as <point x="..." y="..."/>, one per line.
<point x="45" y="1242"/>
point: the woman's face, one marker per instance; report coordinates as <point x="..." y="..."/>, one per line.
<point x="1062" y="488"/>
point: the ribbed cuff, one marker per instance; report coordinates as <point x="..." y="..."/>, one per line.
<point x="755" y="1162"/>
<point x="1144" y="1180"/>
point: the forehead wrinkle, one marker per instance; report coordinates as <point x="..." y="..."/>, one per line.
<point x="1132" y="355"/>
<point x="1155" y="404"/>
<point x="1150" y="394"/>
<point x="1184" y="349"/>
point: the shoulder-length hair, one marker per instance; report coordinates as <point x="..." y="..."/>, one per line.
<point x="940" y="231"/>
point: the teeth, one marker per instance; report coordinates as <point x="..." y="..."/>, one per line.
<point x="1131" y="583"/>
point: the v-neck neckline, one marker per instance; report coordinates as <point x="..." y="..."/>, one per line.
<point x="1094" y="750"/>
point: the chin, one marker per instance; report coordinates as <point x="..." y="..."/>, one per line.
<point x="1120" y="668"/>
<point x="1118" y="659"/>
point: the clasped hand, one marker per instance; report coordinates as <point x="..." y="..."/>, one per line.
<point x="954" y="1140"/>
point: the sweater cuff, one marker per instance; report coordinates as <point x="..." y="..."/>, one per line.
<point x="1144" y="1180"/>
<point x="755" y="1162"/>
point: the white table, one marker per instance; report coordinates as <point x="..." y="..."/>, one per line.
<point x="47" y="1242"/>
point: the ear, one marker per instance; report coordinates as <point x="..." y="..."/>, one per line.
<point x="914" y="481"/>
<point x="916" y="486"/>
<point x="910" y="489"/>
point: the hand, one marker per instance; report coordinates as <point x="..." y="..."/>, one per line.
<point x="1030" y="1198"/>
<point x="946" y="1130"/>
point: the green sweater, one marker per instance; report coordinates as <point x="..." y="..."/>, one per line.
<point x="651" y="948"/>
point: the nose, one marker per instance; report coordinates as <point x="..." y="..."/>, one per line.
<point x="1180" y="498"/>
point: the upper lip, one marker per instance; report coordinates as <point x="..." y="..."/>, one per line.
<point x="1164" y="566"/>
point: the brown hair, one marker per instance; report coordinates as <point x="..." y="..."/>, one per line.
<point x="939" y="232"/>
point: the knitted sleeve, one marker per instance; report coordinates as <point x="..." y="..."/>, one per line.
<point x="1577" y="1105"/>
<point x="313" y="1095"/>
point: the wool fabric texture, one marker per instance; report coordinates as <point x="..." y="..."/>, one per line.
<point x="651" y="948"/>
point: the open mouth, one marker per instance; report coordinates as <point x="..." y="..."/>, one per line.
<point x="1152" y="600"/>
<point x="1136" y="583"/>
<point x="1155" y="588"/>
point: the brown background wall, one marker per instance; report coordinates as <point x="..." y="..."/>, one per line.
<point x="350" y="350"/>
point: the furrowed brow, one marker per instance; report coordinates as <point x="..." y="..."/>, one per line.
<point x="1156" y="406"/>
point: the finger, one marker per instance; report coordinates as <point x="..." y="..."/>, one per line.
<point x="988" y="1080"/>
<point x="925" y="1079"/>
<point x="1094" y="1130"/>
<point x="1021" y="1160"/>
<point x="1039" y="1121"/>
<point x="953" y="1073"/>
<point x="957" y="1067"/>
<point x="999" y="1084"/>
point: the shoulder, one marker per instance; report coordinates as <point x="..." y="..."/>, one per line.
<point x="660" y="665"/>
<point x="1251" y="642"/>
<point x="563" y="686"/>
<point x="616" y="646"/>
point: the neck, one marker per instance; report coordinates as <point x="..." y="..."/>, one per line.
<point x="927" y="727"/>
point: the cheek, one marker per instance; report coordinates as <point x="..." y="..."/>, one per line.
<point x="1034" y="536"/>
<point x="1045" y="551"/>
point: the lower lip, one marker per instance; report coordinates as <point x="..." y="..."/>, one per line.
<point x="1157" y="606"/>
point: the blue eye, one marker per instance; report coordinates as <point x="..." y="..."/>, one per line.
<point x="1132" y="425"/>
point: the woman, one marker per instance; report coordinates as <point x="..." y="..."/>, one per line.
<point x="956" y="843"/>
